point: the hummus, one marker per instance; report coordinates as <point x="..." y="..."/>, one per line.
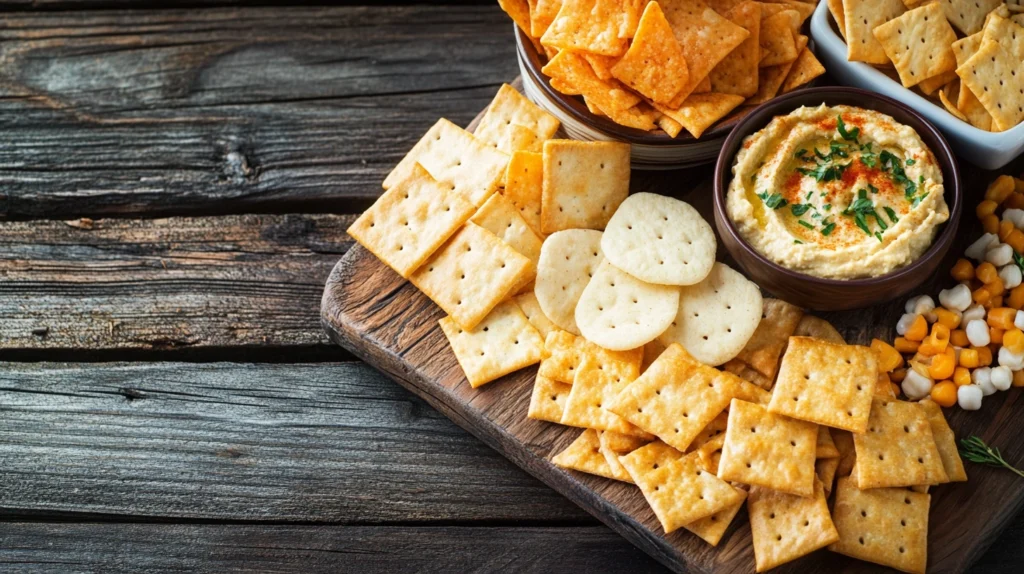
<point x="837" y="192"/>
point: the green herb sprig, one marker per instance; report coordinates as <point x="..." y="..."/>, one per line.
<point x="848" y="135"/>
<point x="975" y="450"/>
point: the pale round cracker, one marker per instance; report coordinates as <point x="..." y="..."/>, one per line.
<point x="620" y="312"/>
<point x="567" y="261"/>
<point x="716" y="316"/>
<point x="660" y="240"/>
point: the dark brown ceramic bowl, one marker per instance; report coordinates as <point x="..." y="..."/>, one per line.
<point x="832" y="294"/>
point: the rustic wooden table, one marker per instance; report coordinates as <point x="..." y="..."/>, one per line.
<point x="175" y="184"/>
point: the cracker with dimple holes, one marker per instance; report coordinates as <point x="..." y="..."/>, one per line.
<point x="747" y="373"/>
<point x="614" y="445"/>
<point x="768" y="450"/>
<point x="654" y="65"/>
<point x="524" y="180"/>
<point x="825" y="447"/>
<point x="968" y="15"/>
<point x="584" y="183"/>
<point x="564" y="352"/>
<point x="584" y="455"/>
<point x="805" y="68"/>
<point x="778" y="42"/>
<point x="710" y="453"/>
<point x="471" y="274"/>
<point x="737" y="72"/>
<point x="918" y="43"/>
<point x="587" y="26"/>
<point x="862" y="16"/>
<point x="945" y="442"/>
<point x="534" y="314"/>
<point x="619" y="312"/>
<point x="778" y="322"/>
<point x="508" y="110"/>
<point x="818" y="328"/>
<point x="1007" y="32"/>
<point x="571" y="69"/>
<point x="659" y="240"/>
<point x="411" y="221"/>
<point x="548" y="399"/>
<point x="568" y="259"/>
<point x="502" y="343"/>
<point x="898" y="448"/>
<point x="500" y="216"/>
<point x="996" y="78"/>
<point x="677" y="397"/>
<point x="716" y="317"/>
<point x="825" y="470"/>
<point x="677" y="488"/>
<point x="887" y="526"/>
<point x="828" y="384"/>
<point x="452" y="156"/>
<point x="712" y="528"/>
<point x="713" y="429"/>
<point x="699" y="111"/>
<point x="598" y="379"/>
<point x="785" y="527"/>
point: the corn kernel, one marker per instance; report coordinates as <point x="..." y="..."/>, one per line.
<point x="969" y="358"/>
<point x="904" y="345"/>
<point x="981" y="296"/>
<point x="1005" y="229"/>
<point x="958" y="338"/>
<point x="984" y="355"/>
<point x="986" y="272"/>
<point x="990" y="223"/>
<point x="986" y="207"/>
<point x="1013" y="339"/>
<point x="898" y="375"/>
<point x="995" y="336"/>
<point x="942" y="367"/>
<point x="1001" y="317"/>
<point x="917" y="330"/>
<point x="961" y="376"/>
<point x="1000" y="189"/>
<point x="1016" y="240"/>
<point x="1018" y="378"/>
<point x="963" y="270"/>
<point x="1016" y="297"/>
<point x="947" y="318"/>
<point x="888" y="357"/>
<point x="944" y="394"/>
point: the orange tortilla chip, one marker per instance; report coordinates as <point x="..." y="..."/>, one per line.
<point x="654" y="65"/>
<point x="737" y="73"/>
<point x="706" y="37"/>
<point x="700" y="111"/>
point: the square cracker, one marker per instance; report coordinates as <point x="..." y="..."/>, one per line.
<point x="584" y="455"/>
<point x="1007" y="32"/>
<point x="572" y="69"/>
<point x="700" y="111"/>
<point x="785" y="527"/>
<point x="945" y="441"/>
<point x="502" y="343"/>
<point x="706" y="37"/>
<point x="548" y="399"/>
<point x="836" y="8"/>
<point x="898" y="449"/>
<point x="612" y="444"/>
<point x="677" y="488"/>
<point x="598" y="379"/>
<point x="411" y="221"/>
<point x="747" y="373"/>
<point x="778" y="322"/>
<point x="825" y="469"/>
<point x="710" y="453"/>
<point x="677" y="397"/>
<point x="992" y="74"/>
<point x="825" y="447"/>
<point x="524" y="180"/>
<point x="824" y="383"/>
<point x="932" y="84"/>
<point x="713" y="429"/>
<point x="862" y="16"/>
<point x="452" y="156"/>
<point x="564" y="352"/>
<point x="887" y="526"/>
<point x="712" y="528"/>
<point x="471" y="274"/>
<point x="770" y="79"/>
<point x="587" y="26"/>
<point x="542" y="14"/>
<point x="534" y="314"/>
<point x="584" y="183"/>
<point x="500" y="216"/>
<point x="737" y="72"/>
<point x="777" y="38"/>
<point x="918" y="43"/>
<point x="966" y="47"/>
<point x="968" y="15"/>
<point x="508" y="109"/>
<point x="654" y="65"/>
<point x="768" y="450"/>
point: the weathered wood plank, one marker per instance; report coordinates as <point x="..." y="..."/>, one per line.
<point x="299" y="442"/>
<point x="231" y="109"/>
<point x="178" y="284"/>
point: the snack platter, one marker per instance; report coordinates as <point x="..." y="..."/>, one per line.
<point x="576" y="314"/>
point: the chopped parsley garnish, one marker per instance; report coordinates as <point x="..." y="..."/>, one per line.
<point x="918" y="199"/>
<point x="773" y="201"/>
<point x="869" y="159"/>
<point x="824" y="172"/>
<point x="910" y="161"/>
<point x="827" y="207"/>
<point x="805" y="224"/>
<point x="809" y="194"/>
<point x="1018" y="260"/>
<point x="799" y="209"/>
<point x="797" y="241"/>
<point x="872" y="188"/>
<point x="827" y="230"/>
<point x="837" y="149"/>
<point x="801" y="154"/>
<point x="861" y="209"/>
<point x="878" y="236"/>
<point x="892" y="214"/>
<point x="848" y="135"/>
<point x="865" y="146"/>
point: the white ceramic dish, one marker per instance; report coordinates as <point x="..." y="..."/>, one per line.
<point x="988" y="150"/>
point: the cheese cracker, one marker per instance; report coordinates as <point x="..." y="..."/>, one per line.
<point x="584" y="183"/>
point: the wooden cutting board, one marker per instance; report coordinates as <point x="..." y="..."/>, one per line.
<point x="371" y="311"/>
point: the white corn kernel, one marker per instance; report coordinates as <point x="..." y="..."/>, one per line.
<point x="1002" y="377"/>
<point x="983" y="378"/>
<point x="969" y="397"/>
<point x="971" y="313"/>
<point x="1015" y="361"/>
<point x="977" y="249"/>
<point x="999" y="255"/>
<point x="977" y="333"/>
<point x="1011" y="276"/>
<point x="904" y="323"/>
<point x="916" y="386"/>
<point x="925" y="305"/>
<point x="956" y="298"/>
<point x="911" y="303"/>
<point x="1014" y="216"/>
<point x="1018" y="320"/>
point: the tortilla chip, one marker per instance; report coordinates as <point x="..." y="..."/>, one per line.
<point x="804" y="70"/>
<point x="587" y="26"/>
<point x="706" y="37"/>
<point x="700" y="111"/>
<point x="737" y="72"/>
<point x="778" y="44"/>
<point x="654" y="65"/>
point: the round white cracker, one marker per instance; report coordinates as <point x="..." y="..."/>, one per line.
<point x="660" y="240"/>
<point x="567" y="261"/>
<point x="620" y="312"/>
<point x="716" y="316"/>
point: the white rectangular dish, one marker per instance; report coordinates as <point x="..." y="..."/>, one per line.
<point x="988" y="150"/>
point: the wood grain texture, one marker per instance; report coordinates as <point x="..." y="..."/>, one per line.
<point x="176" y="284"/>
<point x="322" y="443"/>
<point x="229" y="110"/>
<point x="371" y="311"/>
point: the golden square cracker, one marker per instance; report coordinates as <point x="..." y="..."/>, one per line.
<point x="918" y="43"/>
<point x="898" y="448"/>
<point x="548" y="399"/>
<point x="805" y="69"/>
<point x="818" y="328"/>
<point x="562" y="356"/>
<point x="971" y="107"/>
<point x="654" y="65"/>
<point x="509" y="108"/>
<point x="836" y="8"/>
<point x="620" y="312"/>
<point x="700" y="111"/>
<point x="706" y="37"/>
<point x="534" y="314"/>
<point x="611" y="455"/>
<point x="887" y="526"/>
<point x="768" y="450"/>
<point x="828" y="384"/>
<point x="778" y="42"/>
<point x="471" y="274"/>
<point x="598" y="379"/>
<point x="502" y="343"/>
<point x="584" y="455"/>
<point x="862" y="16"/>
<point x="945" y="442"/>
<point x="778" y="321"/>
<point x="500" y="216"/>
<point x="524" y="180"/>
<point x="584" y="183"/>
<point x="452" y="156"/>
<point x="676" y="397"/>
<point x="988" y="75"/>
<point x="519" y="11"/>
<point x="713" y="429"/>
<point x="747" y="373"/>
<point x="968" y="15"/>
<point x="785" y="527"/>
<point x="712" y="528"/>
<point x="847" y="452"/>
<point x="948" y="96"/>
<point x="676" y="487"/>
<point x="737" y="72"/>
<point x="825" y="447"/>
<point x="710" y="453"/>
<point x="542" y="14"/>
<point x="966" y="47"/>
<point x="570" y="68"/>
<point x="825" y="470"/>
<point x="930" y="85"/>
<point x="1008" y="33"/>
<point x="411" y="221"/>
<point x="587" y="26"/>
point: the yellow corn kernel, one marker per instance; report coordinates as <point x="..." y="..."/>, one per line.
<point x="961" y="376"/>
<point x="1018" y="378"/>
<point x="1005" y="229"/>
<point x="904" y="345"/>
<point x="981" y="296"/>
<point x="898" y="375"/>
<point x="1013" y="340"/>
<point x="986" y="207"/>
<point x="1015" y="201"/>
<point x="958" y="338"/>
<point x="947" y="318"/>
<point x="984" y="355"/>
<point x="888" y="357"/>
<point x="944" y="393"/>
<point x="986" y="272"/>
<point x="969" y="358"/>
<point x="917" y="330"/>
<point x="942" y="367"/>
<point x="963" y="270"/>
<point x="1016" y="240"/>
<point x="1000" y="189"/>
<point x="1016" y="297"/>
<point x="990" y="223"/>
